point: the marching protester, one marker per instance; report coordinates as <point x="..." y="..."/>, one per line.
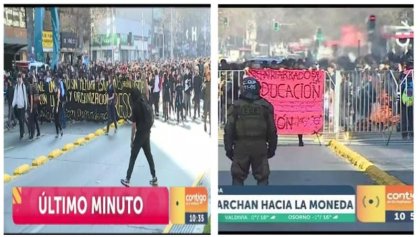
<point x="58" y="108"/>
<point x="27" y="111"/>
<point x="112" y="112"/>
<point x="172" y="83"/>
<point x="63" y="101"/>
<point x="178" y="82"/>
<point x="142" y="122"/>
<point x="34" y="104"/>
<point x="407" y="98"/>
<point x="20" y="103"/>
<point x="156" y="92"/>
<point x="166" y="96"/>
<point x="376" y="91"/>
<point x="197" y="85"/>
<point x="207" y="97"/>
<point x="187" y="91"/>
<point x="179" y="100"/>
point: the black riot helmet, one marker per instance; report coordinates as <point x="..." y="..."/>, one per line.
<point x="250" y="88"/>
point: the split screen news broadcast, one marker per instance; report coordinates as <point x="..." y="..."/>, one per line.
<point x="106" y="119"/>
<point x="112" y="124"/>
<point x="315" y="112"/>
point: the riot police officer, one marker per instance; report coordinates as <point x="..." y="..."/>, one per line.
<point x="250" y="134"/>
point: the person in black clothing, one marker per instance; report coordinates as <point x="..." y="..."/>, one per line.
<point x="57" y="109"/>
<point x="407" y="112"/>
<point x="33" y="105"/>
<point x="166" y="97"/>
<point x="197" y="85"/>
<point x="300" y="137"/>
<point x="140" y="137"/>
<point x="172" y="92"/>
<point x="187" y="89"/>
<point x="27" y="112"/>
<point x="63" y="91"/>
<point x="112" y="112"/>
<point x="179" y="103"/>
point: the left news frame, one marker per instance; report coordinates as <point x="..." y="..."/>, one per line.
<point x="107" y="119"/>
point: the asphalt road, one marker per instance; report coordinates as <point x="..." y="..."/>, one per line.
<point x="103" y="162"/>
<point x="396" y="159"/>
<point x="317" y="165"/>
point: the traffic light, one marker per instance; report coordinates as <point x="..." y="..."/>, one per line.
<point x="371" y="23"/>
<point x="276" y="26"/>
<point x="319" y="35"/>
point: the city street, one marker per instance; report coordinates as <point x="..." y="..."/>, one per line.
<point x="103" y="162"/>
<point x="318" y="165"/>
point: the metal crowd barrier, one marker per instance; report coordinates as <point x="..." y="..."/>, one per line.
<point x="361" y="102"/>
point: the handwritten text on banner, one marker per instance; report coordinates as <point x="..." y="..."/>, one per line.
<point x="297" y="97"/>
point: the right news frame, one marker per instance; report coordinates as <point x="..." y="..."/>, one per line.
<point x="315" y="115"/>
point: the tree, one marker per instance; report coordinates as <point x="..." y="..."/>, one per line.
<point x="76" y="20"/>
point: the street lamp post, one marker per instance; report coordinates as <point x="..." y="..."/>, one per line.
<point x="270" y="37"/>
<point x="172" y="39"/>
<point x="163" y="42"/>
<point x="91" y="34"/>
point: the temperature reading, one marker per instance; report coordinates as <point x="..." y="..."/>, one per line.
<point x="399" y="216"/>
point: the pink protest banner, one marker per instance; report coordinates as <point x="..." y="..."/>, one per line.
<point x="297" y="97"/>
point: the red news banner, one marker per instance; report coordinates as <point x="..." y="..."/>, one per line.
<point x="297" y="97"/>
<point x="91" y="205"/>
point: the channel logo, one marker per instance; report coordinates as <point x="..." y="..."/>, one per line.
<point x="187" y="200"/>
<point x="371" y="203"/>
<point x="374" y="201"/>
<point x="399" y="198"/>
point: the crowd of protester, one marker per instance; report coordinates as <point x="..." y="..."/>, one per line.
<point x="179" y="90"/>
<point x="375" y="92"/>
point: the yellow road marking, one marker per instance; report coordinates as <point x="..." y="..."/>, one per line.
<point x="53" y="154"/>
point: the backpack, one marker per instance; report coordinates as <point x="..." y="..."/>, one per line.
<point x="149" y="117"/>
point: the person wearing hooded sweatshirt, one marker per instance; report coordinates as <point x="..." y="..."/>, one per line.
<point x="142" y="121"/>
<point x="250" y="137"/>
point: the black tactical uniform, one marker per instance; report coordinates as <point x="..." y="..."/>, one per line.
<point x="250" y="134"/>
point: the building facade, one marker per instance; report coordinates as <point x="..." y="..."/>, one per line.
<point x="19" y="30"/>
<point x="121" y="35"/>
<point x="127" y="34"/>
<point x="15" y="35"/>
